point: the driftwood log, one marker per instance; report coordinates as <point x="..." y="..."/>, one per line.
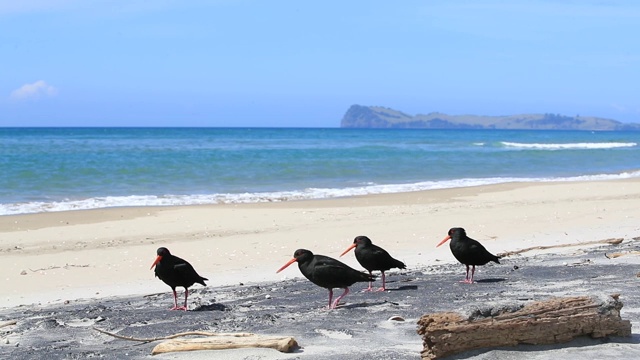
<point x="8" y="323"/>
<point x="546" y="247"/>
<point x="558" y="320"/>
<point x="213" y="341"/>
<point x="228" y="341"/>
<point x="617" y="255"/>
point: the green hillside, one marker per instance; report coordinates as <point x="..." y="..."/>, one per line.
<point x="380" y="117"/>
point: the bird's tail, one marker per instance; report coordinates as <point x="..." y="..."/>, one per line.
<point x="399" y="264"/>
<point x="367" y="277"/>
<point x="201" y="281"/>
<point x="496" y="259"/>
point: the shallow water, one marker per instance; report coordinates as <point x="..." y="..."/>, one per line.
<point x="52" y="169"/>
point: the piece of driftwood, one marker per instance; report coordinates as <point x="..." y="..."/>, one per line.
<point x="8" y="323"/>
<point x="595" y="242"/>
<point x="182" y="334"/>
<point x="280" y="343"/>
<point x="212" y="341"/>
<point x="554" y="321"/>
<point x="617" y="255"/>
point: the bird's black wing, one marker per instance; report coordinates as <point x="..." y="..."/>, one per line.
<point x="331" y="271"/>
<point x="328" y="265"/>
<point x="475" y="246"/>
<point x="379" y="252"/>
<point x="481" y="252"/>
<point x="185" y="269"/>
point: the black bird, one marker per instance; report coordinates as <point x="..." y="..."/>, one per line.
<point x="327" y="272"/>
<point x="468" y="251"/>
<point x="373" y="257"/>
<point x="175" y="271"/>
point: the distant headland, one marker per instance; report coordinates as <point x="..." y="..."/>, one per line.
<point x="380" y="117"/>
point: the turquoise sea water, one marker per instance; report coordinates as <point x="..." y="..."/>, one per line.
<point x="53" y="169"/>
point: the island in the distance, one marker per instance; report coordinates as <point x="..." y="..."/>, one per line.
<point x="381" y="117"/>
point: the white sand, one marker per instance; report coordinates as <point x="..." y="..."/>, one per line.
<point x="61" y="256"/>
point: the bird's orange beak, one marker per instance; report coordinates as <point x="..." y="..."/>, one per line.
<point x="156" y="262"/>
<point x="348" y="249"/>
<point x="444" y="240"/>
<point x="287" y="264"/>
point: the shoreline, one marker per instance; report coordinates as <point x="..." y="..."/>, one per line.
<point x="108" y="252"/>
<point x="319" y="194"/>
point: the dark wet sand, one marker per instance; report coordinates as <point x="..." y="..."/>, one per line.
<point x="359" y="329"/>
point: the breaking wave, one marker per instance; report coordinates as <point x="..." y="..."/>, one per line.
<point x="569" y="146"/>
<point x="279" y="196"/>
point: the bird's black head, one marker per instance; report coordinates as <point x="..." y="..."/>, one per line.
<point x="302" y="255"/>
<point x="163" y="251"/>
<point x="457" y="231"/>
<point x="362" y="240"/>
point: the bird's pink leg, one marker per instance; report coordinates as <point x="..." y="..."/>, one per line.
<point x="330" y="297"/>
<point x="466" y="278"/>
<point x="469" y="279"/>
<point x="175" y="300"/>
<point x="335" y="303"/>
<point x="384" y="283"/>
<point x="370" y="288"/>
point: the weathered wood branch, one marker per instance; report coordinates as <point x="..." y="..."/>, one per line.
<point x="616" y="255"/>
<point x="213" y="341"/>
<point x="183" y="334"/>
<point x="595" y="242"/>
<point x="558" y="320"/>
<point x="8" y="323"/>
<point x="280" y="343"/>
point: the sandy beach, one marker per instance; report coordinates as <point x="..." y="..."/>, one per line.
<point x="70" y="271"/>
<point x="58" y="256"/>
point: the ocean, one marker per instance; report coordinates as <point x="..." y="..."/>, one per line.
<point x="57" y="169"/>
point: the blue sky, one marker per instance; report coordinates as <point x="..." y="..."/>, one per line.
<point x="303" y="63"/>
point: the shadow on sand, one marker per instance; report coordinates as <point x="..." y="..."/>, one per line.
<point x="404" y="287"/>
<point x="491" y="280"/>
<point x="361" y="305"/>
<point x="212" y="307"/>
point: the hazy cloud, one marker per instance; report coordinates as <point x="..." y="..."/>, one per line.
<point x="27" y="6"/>
<point x="101" y="7"/>
<point x="35" y="90"/>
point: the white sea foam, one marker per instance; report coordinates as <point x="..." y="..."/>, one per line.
<point x="569" y="146"/>
<point x="306" y="194"/>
